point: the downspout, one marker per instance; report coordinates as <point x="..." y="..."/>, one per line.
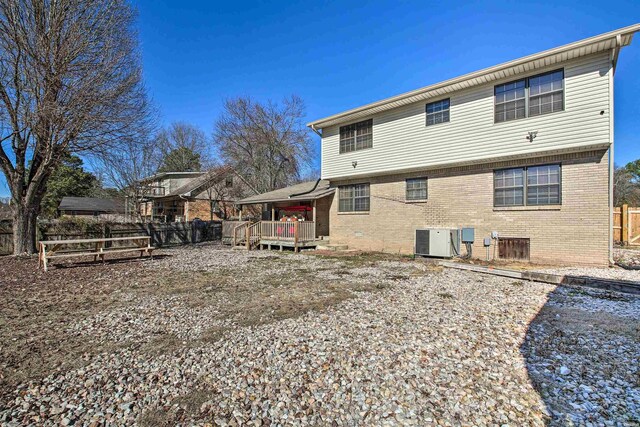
<point x="186" y="215"/>
<point x="306" y="192"/>
<point x="317" y="132"/>
<point x="614" y="60"/>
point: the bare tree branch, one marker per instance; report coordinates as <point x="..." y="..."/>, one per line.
<point x="267" y="144"/>
<point x="70" y="82"/>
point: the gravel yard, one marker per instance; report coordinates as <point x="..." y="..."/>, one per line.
<point x="204" y="335"/>
<point x="627" y="267"/>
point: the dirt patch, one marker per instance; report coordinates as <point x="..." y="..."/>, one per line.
<point x="59" y="320"/>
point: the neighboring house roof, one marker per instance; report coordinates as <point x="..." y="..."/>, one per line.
<point x="603" y="42"/>
<point x="200" y="183"/>
<point x="91" y="204"/>
<point x="162" y="175"/>
<point x="303" y="191"/>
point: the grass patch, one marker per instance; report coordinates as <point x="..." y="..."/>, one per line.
<point x="445" y="295"/>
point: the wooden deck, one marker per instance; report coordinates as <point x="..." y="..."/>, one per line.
<point x="270" y="234"/>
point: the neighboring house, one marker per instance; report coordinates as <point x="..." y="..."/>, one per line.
<point x="91" y="207"/>
<point x="524" y="149"/>
<point x="185" y="196"/>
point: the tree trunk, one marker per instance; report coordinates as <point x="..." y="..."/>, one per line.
<point x="24" y="229"/>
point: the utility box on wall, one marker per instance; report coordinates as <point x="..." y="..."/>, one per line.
<point x="468" y="235"/>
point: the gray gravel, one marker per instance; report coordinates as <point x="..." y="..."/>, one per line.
<point x="628" y="258"/>
<point x="433" y="348"/>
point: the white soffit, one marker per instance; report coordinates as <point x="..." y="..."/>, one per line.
<point x="600" y="43"/>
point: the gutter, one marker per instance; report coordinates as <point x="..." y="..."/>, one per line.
<point x="313" y="128"/>
<point x="306" y="192"/>
<point x="404" y="98"/>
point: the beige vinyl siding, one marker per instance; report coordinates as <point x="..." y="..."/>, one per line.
<point x="402" y="141"/>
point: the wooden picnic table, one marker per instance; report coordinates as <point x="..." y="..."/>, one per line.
<point x="49" y="249"/>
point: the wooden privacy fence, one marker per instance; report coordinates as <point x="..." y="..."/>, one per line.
<point x="161" y="234"/>
<point x="626" y="225"/>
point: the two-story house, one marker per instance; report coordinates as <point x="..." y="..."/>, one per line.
<point x="523" y="150"/>
<point x="184" y="196"/>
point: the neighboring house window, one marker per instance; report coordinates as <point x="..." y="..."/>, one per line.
<point x="356" y="136"/>
<point x="353" y="198"/>
<point x="542" y="93"/>
<point x="228" y="182"/>
<point x="534" y="185"/>
<point x="416" y="189"/>
<point x="438" y="112"/>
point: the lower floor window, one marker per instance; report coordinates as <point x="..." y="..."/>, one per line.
<point x="416" y="189"/>
<point x="533" y="185"/>
<point x="353" y="198"/>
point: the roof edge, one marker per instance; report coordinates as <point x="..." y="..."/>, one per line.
<point x="629" y="30"/>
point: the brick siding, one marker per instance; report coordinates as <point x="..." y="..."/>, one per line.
<point x="577" y="232"/>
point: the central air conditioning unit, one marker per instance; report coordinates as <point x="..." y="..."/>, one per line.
<point x="438" y="242"/>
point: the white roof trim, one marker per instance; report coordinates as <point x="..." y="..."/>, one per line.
<point x="600" y="43"/>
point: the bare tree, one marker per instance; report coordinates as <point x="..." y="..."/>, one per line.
<point x="182" y="147"/>
<point x="625" y="188"/>
<point x="268" y="144"/>
<point x="125" y="168"/>
<point x="70" y="80"/>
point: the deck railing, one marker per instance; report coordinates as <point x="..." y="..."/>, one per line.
<point x="299" y="231"/>
<point x="239" y="233"/>
<point x="228" y="230"/>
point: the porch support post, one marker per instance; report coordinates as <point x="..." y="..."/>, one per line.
<point x="315" y="224"/>
<point x="240" y="218"/>
<point x="273" y="212"/>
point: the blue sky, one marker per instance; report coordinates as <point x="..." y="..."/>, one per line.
<point x="339" y="55"/>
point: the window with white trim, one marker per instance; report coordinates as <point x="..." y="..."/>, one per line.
<point x="416" y="189"/>
<point x="356" y="136"/>
<point x="533" y="96"/>
<point x="530" y="186"/>
<point x="438" y="112"/>
<point x="353" y="198"/>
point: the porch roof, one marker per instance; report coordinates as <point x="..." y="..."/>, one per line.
<point x="300" y="192"/>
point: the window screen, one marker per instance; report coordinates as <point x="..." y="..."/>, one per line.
<point x="546" y="93"/>
<point x="509" y="187"/>
<point x="543" y="185"/>
<point x="533" y="96"/>
<point x="438" y="112"/>
<point x="356" y="136"/>
<point x="510" y="101"/>
<point x="353" y="198"/>
<point x="416" y="189"/>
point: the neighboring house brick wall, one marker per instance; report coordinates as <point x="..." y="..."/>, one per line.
<point x="202" y="209"/>
<point x="574" y="233"/>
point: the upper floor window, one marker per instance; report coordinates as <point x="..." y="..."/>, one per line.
<point x="228" y="182"/>
<point x="353" y="198"/>
<point x="438" y="112"/>
<point x="546" y="93"/>
<point x="533" y="185"/>
<point x="416" y="189"/>
<point x="356" y="136"/>
<point x="533" y="96"/>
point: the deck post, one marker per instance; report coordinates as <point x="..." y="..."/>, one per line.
<point x="295" y="235"/>
<point x="315" y="224"/>
<point x="247" y="236"/>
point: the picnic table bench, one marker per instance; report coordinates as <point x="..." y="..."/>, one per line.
<point x="49" y="249"/>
